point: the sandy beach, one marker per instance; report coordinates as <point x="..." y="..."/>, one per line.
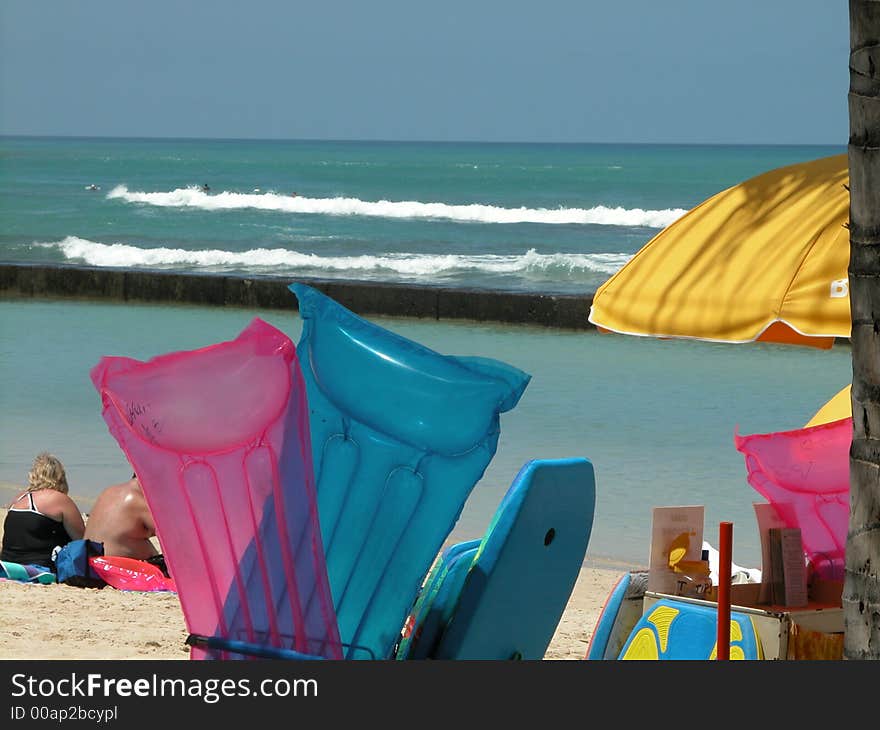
<point x="65" y="622"/>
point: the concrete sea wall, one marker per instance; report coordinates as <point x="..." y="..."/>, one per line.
<point x="365" y="298"/>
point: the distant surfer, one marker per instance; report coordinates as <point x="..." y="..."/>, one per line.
<point x="92" y="187"/>
<point x="205" y="188"/>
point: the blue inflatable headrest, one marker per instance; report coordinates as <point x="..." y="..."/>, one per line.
<point x="400" y="436"/>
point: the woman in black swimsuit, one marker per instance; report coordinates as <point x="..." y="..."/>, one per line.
<point x="42" y="518"/>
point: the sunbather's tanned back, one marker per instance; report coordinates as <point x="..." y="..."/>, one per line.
<point x="122" y="521"/>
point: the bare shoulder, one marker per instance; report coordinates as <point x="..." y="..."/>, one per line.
<point x="54" y="504"/>
<point x="114" y="490"/>
<point x="52" y="498"/>
<point x="134" y="493"/>
<point x="110" y="497"/>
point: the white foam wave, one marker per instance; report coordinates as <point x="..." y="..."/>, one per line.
<point x="410" y="264"/>
<point x="600" y="215"/>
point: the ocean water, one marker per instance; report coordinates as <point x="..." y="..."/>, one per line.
<point x="656" y="418"/>
<point x="547" y="218"/>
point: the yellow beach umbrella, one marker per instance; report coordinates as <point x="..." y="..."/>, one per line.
<point x="763" y="260"/>
<point x="840" y="406"/>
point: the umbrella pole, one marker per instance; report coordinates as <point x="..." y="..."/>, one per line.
<point x="725" y="550"/>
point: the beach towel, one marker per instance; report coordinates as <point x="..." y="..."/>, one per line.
<point x="72" y="565"/>
<point x="26" y="573"/>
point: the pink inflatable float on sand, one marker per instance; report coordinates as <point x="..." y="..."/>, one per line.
<point x="128" y="574"/>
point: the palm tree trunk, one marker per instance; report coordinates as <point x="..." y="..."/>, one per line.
<point x="861" y="591"/>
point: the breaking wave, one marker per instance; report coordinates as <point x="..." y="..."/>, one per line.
<point x="279" y="260"/>
<point x="193" y="197"/>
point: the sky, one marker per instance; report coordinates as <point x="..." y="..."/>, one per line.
<point x="641" y="71"/>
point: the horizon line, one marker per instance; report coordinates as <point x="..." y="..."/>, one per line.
<point x="411" y="141"/>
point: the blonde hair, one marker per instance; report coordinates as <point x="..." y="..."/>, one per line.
<point x="47" y="472"/>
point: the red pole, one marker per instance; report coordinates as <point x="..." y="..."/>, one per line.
<point x="725" y="551"/>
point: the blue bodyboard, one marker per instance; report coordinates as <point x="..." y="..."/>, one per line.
<point x="602" y="632"/>
<point x="622" y="610"/>
<point x="436" y="605"/>
<point x="681" y="630"/>
<point x="525" y="569"/>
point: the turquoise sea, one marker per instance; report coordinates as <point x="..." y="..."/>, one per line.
<point x="657" y="418"/>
